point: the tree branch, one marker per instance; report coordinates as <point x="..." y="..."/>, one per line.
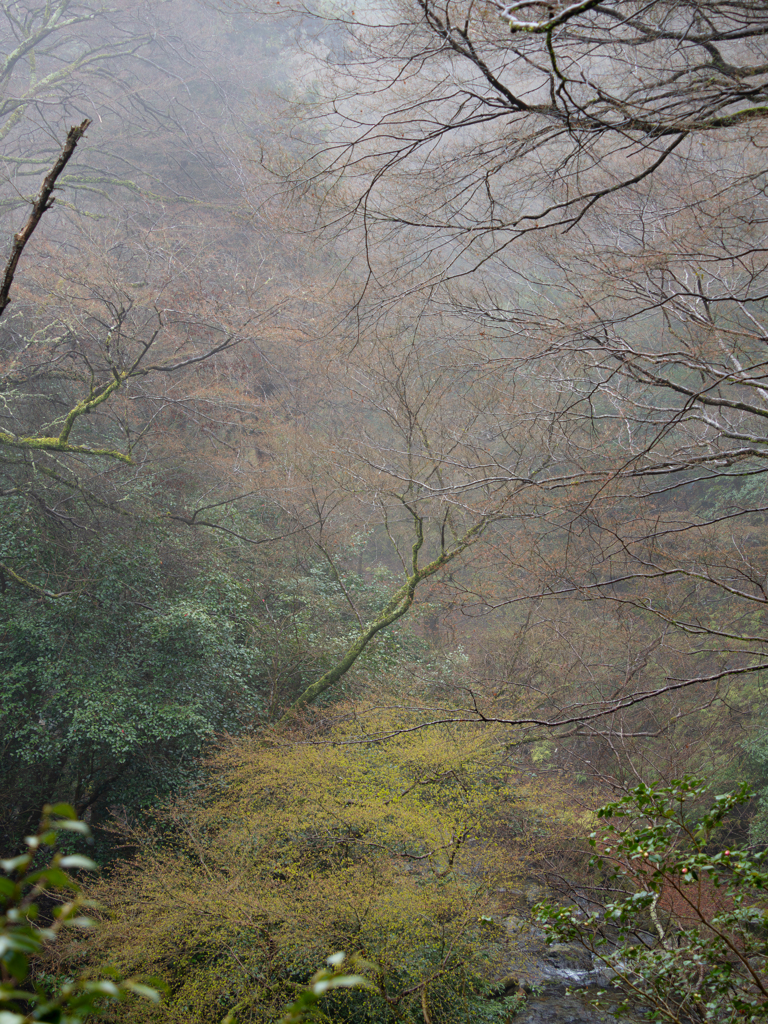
<point x="43" y="202"/>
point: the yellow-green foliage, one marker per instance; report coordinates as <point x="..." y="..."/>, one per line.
<point x="396" y="850"/>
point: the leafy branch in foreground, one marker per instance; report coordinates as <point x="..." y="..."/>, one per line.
<point x="687" y="937"/>
<point x="21" y="888"/>
<point x="323" y="981"/>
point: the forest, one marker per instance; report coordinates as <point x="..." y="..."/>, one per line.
<point x="383" y="424"/>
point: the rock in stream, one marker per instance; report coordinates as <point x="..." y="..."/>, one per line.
<point x="561" y="981"/>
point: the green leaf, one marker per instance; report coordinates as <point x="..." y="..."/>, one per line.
<point x="21" y="940"/>
<point x="63" y="810"/>
<point x="350" y="981"/>
<point x="55" y="878"/>
<point x="15" y="863"/>
<point x="75" y="860"/>
<point x="72" y="826"/>
<point x="11" y="1018"/>
<point x="80" y="922"/>
<point x="106" y="988"/>
<point x="8" y="994"/>
<point x="17" y="965"/>
<point x="143" y="990"/>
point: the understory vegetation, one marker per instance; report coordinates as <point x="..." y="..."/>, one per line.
<point x="401" y="851"/>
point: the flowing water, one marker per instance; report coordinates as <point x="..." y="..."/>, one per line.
<point x="561" y="981"/>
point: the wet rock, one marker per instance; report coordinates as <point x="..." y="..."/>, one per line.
<point x="519" y="928"/>
<point x="562" y="1010"/>
<point x="560" y="981"/>
<point x="568" y="957"/>
<point x="534" y="893"/>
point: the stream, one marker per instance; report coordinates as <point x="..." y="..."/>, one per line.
<point x="561" y="981"/>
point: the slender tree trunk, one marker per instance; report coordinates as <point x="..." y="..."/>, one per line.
<point x="397" y="606"/>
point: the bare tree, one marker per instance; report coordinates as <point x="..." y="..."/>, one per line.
<point x="583" y="185"/>
<point x="451" y="129"/>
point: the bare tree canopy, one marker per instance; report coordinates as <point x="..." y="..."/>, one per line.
<point x="564" y="206"/>
<point x="450" y="129"/>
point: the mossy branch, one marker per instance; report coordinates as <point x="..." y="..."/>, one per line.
<point x="61" y="443"/>
<point x="41" y="591"/>
<point x="400" y="603"/>
<point x="55" y="444"/>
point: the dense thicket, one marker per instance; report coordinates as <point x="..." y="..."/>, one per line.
<point x="407" y="852"/>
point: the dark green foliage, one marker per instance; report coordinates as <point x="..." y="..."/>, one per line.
<point x="757" y="759"/>
<point x="156" y="642"/>
<point x="110" y="690"/>
<point x="305" y="623"/>
<point x="686" y="934"/>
